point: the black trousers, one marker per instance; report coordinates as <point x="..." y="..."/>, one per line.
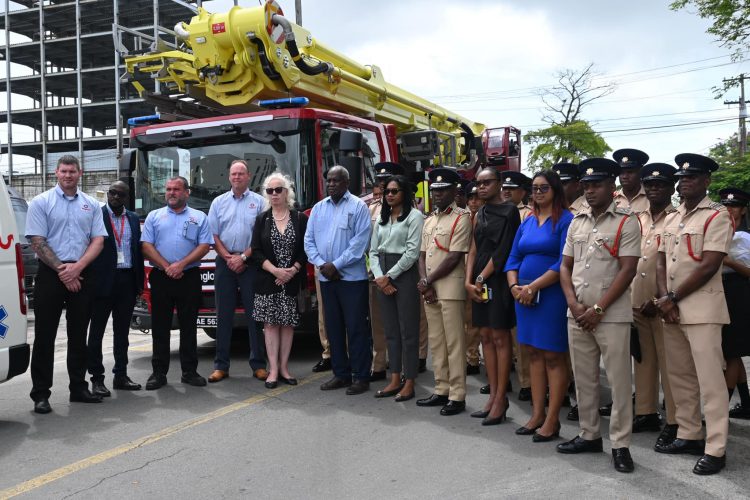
<point x="168" y="295"/>
<point x="51" y="297"/>
<point x="120" y="304"/>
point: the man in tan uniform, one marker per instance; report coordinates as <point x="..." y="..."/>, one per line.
<point x="631" y="194"/>
<point x="691" y="299"/>
<point x="514" y="191"/>
<point x="472" y="332"/>
<point x="446" y="237"/>
<point x="658" y="181"/>
<point x="599" y="262"/>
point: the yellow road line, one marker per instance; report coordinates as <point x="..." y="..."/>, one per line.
<point x="80" y="465"/>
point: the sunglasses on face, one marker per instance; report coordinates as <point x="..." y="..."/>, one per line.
<point x="117" y="194"/>
<point x="543" y="189"/>
<point x="276" y="190"/>
<point x="392" y="192"/>
<point x="486" y="182"/>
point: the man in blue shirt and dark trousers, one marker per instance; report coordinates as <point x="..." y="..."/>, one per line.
<point x="336" y="239"/>
<point x="174" y="239"/>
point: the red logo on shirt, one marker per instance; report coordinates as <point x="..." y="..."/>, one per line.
<point x="193" y="220"/>
<point x="85" y="208"/>
<point x="252" y="205"/>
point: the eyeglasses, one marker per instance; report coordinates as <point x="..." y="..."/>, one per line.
<point x="277" y="190"/>
<point x="392" y="192"/>
<point x="542" y="188"/>
<point x="117" y="194"/>
<point x="486" y="182"/>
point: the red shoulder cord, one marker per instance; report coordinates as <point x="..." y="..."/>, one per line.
<point x="450" y="238"/>
<point x="705" y="228"/>
<point x="615" y="250"/>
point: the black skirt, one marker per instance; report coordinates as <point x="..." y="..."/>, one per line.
<point x="498" y="313"/>
<point x="735" y="337"/>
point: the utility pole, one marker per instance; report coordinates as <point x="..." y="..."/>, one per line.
<point x="298" y="12"/>
<point x="743" y="112"/>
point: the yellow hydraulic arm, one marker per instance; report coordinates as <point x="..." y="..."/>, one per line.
<point x="248" y="54"/>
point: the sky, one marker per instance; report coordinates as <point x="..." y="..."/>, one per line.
<point x="487" y="60"/>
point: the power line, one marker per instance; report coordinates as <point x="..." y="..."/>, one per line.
<point x="654" y="127"/>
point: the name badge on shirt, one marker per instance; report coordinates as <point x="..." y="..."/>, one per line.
<point x="120" y="257"/>
<point x="190" y="231"/>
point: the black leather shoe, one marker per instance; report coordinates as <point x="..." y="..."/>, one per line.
<point x="358" y="387"/>
<point x="541" y="438"/>
<point x="288" y="381"/>
<point x="524" y="394"/>
<point x="480" y="414"/>
<point x="400" y="398"/>
<point x="99" y="389"/>
<point x="375" y="376"/>
<point x="453" y="408"/>
<point x="433" y="400"/>
<point x="580" y="445"/>
<point x="485" y="389"/>
<point x="622" y="459"/>
<point x="682" y="447"/>
<point x="42" y="406"/>
<point x="84" y="396"/>
<point x="647" y="423"/>
<point x="422" y="365"/>
<point x="270" y="384"/>
<point x="739" y="411"/>
<point x="606" y="410"/>
<point x="335" y="383"/>
<point x="526" y="431"/>
<point x="668" y="434"/>
<point x="193" y="379"/>
<point x="573" y="414"/>
<point x="123" y="383"/>
<point x="387" y="394"/>
<point x="472" y="369"/>
<point x="156" y="381"/>
<point x="322" y="366"/>
<point x="709" y="464"/>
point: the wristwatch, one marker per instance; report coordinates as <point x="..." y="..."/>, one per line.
<point x="673" y="297"/>
<point x="480" y="279"/>
<point x="243" y="257"/>
<point x="598" y="309"/>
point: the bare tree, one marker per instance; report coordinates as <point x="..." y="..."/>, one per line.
<point x="574" y="90"/>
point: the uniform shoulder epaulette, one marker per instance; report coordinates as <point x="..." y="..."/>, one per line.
<point x="716" y="205"/>
<point x="461" y="211"/>
<point x="623" y="211"/>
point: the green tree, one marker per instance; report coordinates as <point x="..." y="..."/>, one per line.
<point x="558" y="142"/>
<point x="734" y="170"/>
<point x="731" y="21"/>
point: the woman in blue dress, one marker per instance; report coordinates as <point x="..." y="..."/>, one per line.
<point x="533" y="273"/>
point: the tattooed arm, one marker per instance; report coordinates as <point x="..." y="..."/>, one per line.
<point x="45" y="252"/>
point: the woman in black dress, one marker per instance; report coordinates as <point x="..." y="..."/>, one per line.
<point x="279" y="254"/>
<point x="495" y="226"/>
<point x="735" y="341"/>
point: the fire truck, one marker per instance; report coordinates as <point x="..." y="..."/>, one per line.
<point x="252" y="85"/>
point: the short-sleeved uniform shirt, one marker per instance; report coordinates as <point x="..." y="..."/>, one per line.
<point x="579" y="205"/>
<point x="590" y="242"/>
<point x="686" y="236"/>
<point x="644" y="283"/>
<point x="443" y="232"/>
<point x="232" y="218"/>
<point x="638" y="204"/>
<point x="524" y="211"/>
<point x="174" y="234"/>
<point x="67" y="222"/>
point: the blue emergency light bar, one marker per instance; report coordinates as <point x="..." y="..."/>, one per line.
<point x="143" y="120"/>
<point x="286" y="102"/>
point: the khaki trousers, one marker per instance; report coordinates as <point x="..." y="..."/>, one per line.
<point x="445" y="321"/>
<point x="694" y="359"/>
<point x="423" y="344"/>
<point x="611" y="343"/>
<point x="653" y="364"/>
<point x="322" y="322"/>
<point x="522" y="361"/>
<point x="472" y="336"/>
<point x="379" y="348"/>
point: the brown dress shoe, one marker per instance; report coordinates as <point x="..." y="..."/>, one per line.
<point x="260" y="374"/>
<point x="218" y="375"/>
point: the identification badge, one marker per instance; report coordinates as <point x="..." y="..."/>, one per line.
<point x="120" y="257"/>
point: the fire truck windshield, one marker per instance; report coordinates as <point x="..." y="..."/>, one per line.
<point x="205" y="163"/>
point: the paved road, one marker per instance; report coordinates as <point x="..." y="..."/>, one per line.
<point x="237" y="439"/>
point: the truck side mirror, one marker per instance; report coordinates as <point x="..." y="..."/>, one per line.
<point x="353" y="165"/>
<point x="350" y="141"/>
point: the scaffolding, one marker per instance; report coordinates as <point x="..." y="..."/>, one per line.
<point x="70" y="70"/>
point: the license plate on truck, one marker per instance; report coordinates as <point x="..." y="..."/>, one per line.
<point x="206" y="321"/>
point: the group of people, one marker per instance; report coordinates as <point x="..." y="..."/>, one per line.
<point x="583" y="275"/>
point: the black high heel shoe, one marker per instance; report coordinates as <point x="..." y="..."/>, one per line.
<point x="527" y="431"/>
<point x="480" y="414"/>
<point x="541" y="438"/>
<point x="499" y="419"/>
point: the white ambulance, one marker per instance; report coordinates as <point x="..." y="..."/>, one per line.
<point x="14" y="349"/>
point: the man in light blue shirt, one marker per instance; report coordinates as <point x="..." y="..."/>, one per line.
<point x="175" y="238"/>
<point x="231" y="219"/>
<point x="336" y="239"/>
<point x="66" y="230"/>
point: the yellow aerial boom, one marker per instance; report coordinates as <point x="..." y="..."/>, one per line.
<point x="248" y="54"/>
